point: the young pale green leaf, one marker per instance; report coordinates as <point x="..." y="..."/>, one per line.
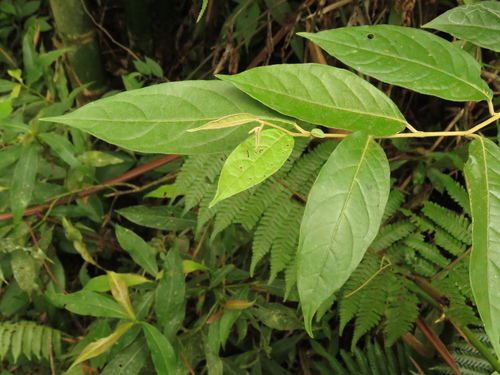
<point x="156" y="118"/>
<point x="407" y="57"/>
<point x="322" y="95"/>
<point x="342" y="217"/>
<point x="90" y="303"/>
<point x="482" y="173"/>
<point x="23" y="181"/>
<point x="162" y="352"/>
<point x="247" y="165"/>
<point x="101" y="283"/>
<point x="478" y="23"/>
<point x="228" y="122"/>
<point x="119" y="290"/>
<point x="100" y="346"/>
<point x="140" y="251"/>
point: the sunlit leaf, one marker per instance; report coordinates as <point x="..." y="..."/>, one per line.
<point x="119" y="290"/>
<point x="478" y="23"/>
<point x="249" y="165"/>
<point x="342" y="217"/>
<point x="482" y="173"/>
<point x="407" y="57"/>
<point x="322" y="95"/>
<point x="101" y="283"/>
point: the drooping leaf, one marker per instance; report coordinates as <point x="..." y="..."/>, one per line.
<point x="165" y="218"/>
<point x="89" y="303"/>
<point x="407" y="57"/>
<point x="156" y="118"/>
<point x="140" y="251"/>
<point x="341" y="219"/>
<point x="478" y="23"/>
<point x="482" y="173"/>
<point x="322" y="95"/>
<point x="250" y="164"/>
<point x="100" y="346"/>
<point x="23" y="181"/>
<point x="162" y="352"/>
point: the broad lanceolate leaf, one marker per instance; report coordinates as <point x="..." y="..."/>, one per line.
<point x="156" y="118"/>
<point x="341" y="219"/>
<point x="140" y="251"/>
<point x="322" y="95"/>
<point x="478" y="23"/>
<point x="249" y="165"/>
<point x="407" y="57"/>
<point x="227" y="122"/>
<point x="166" y="218"/>
<point x="162" y="352"/>
<point x="100" y="346"/>
<point x="23" y="181"/>
<point x="482" y="173"/>
<point x="120" y="293"/>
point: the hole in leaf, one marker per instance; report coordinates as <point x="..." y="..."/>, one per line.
<point x="370" y="36"/>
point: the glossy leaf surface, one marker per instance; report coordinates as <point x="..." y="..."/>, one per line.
<point x="322" y="95"/>
<point x="407" y="57"/>
<point x="342" y="217"/>
<point x="482" y="173"/>
<point x="478" y="23"/>
<point x="249" y="165"/>
<point x="156" y="118"/>
<point x="162" y="352"/>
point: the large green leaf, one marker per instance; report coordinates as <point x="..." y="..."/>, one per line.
<point x="478" y="23"/>
<point x="140" y="251"/>
<point x="342" y="217"/>
<point x="407" y="57"/>
<point x="156" y="118"/>
<point x="23" y="181"/>
<point x="249" y="165"/>
<point x="161" y="217"/>
<point x="482" y="173"/>
<point x="322" y="95"/>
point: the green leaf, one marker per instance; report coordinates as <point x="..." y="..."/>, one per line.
<point x="119" y="290"/>
<point x="156" y="118"/>
<point x="100" y="346"/>
<point x="483" y="181"/>
<point x="249" y="165"/>
<point x="23" y="181"/>
<point x="129" y="361"/>
<point x="407" y="57"/>
<point x="142" y="253"/>
<point x="24" y="269"/>
<point x="170" y="294"/>
<point x="89" y="303"/>
<point x="162" y="352"/>
<point x="101" y="283"/>
<point x="322" y="95"/>
<point x="342" y="217"/>
<point x="63" y="147"/>
<point x="227" y="122"/>
<point x="156" y="217"/>
<point x="478" y="23"/>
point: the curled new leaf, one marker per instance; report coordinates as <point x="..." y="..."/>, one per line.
<point x="120" y="293"/>
<point x="342" y="217"/>
<point x="249" y="165"/>
<point x="407" y="57"/>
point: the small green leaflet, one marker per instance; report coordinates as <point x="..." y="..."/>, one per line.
<point x="411" y="58"/>
<point x="227" y="122"/>
<point x="478" y="23"/>
<point x="342" y="217"/>
<point x="249" y="165"/>
<point x="482" y="173"/>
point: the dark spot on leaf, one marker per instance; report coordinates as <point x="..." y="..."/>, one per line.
<point x="370" y="36"/>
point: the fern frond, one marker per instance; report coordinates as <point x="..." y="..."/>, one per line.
<point x="428" y="251"/>
<point x="396" y="199"/>
<point x="391" y="234"/>
<point x="349" y="306"/>
<point x="401" y="312"/>
<point x="455" y="190"/>
<point x="424" y="224"/>
<point x="205" y="213"/>
<point x="371" y="306"/>
<point x="448" y="242"/>
<point x="423" y="268"/>
<point x="285" y="245"/>
<point x="456" y="225"/>
<point x="28" y="338"/>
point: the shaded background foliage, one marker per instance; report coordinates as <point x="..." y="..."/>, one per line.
<point x="148" y="42"/>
